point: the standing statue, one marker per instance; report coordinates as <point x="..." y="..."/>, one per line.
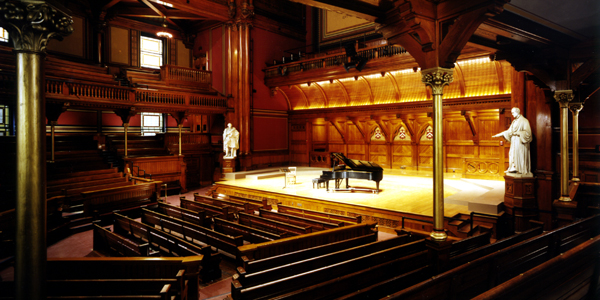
<point x="230" y="141"/>
<point x="519" y="136"/>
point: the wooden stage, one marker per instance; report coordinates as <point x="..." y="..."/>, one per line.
<point x="401" y="195"/>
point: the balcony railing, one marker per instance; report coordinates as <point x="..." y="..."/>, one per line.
<point x="185" y="76"/>
<point x="91" y="92"/>
<point x="331" y="60"/>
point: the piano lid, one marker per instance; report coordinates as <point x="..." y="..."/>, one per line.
<point x="355" y="164"/>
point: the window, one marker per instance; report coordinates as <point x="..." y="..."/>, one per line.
<point x="4" y="121"/>
<point x="151" y="52"/>
<point x="152" y="123"/>
<point x="3" y="35"/>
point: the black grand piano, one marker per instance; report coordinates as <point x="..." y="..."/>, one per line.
<point x="343" y="167"/>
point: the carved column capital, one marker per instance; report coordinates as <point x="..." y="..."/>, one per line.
<point x="563" y="97"/>
<point x="437" y="78"/>
<point x="32" y="24"/>
<point x="575" y="107"/>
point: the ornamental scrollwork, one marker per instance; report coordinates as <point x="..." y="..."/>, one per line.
<point x="32" y="25"/>
<point x="437" y="78"/>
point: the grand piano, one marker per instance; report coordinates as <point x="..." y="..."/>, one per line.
<point x="343" y="167"/>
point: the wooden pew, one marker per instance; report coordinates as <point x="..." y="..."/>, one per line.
<point x="284" y="258"/>
<point x="101" y="202"/>
<point x="468" y="256"/>
<point x="195" y="217"/>
<point x="111" y="244"/>
<point x="73" y="188"/>
<point x="479" y="275"/>
<point x="211" y="211"/>
<point x="324" y="282"/>
<point x="300" y="221"/>
<point x="169" y="244"/>
<point x="81" y="176"/>
<point x="238" y="206"/>
<point x="318" y="215"/>
<point x="270" y="225"/>
<point x="268" y="249"/>
<point x="572" y="275"/>
<point x="291" y="268"/>
<point x="249" y="234"/>
<point x="162" y="289"/>
<point x="180" y="272"/>
<point x="191" y="232"/>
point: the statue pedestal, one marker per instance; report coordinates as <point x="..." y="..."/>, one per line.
<point x="228" y="165"/>
<point x="519" y="199"/>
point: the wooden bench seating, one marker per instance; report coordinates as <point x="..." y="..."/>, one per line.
<point x="471" y="255"/>
<point x="212" y="211"/>
<point x="169" y="244"/>
<point x="192" y="232"/>
<point x="468" y="244"/>
<point x="237" y="205"/>
<point x="195" y="217"/>
<point x="108" y="243"/>
<point x="475" y="277"/>
<point x="572" y="275"/>
<point x="324" y="282"/>
<point x="180" y="273"/>
<point x="285" y="258"/>
<point x="268" y="249"/>
<point x="291" y="268"/>
<point x="81" y="176"/>
<point x="318" y="215"/>
<point x="65" y="69"/>
<point x="98" y="203"/>
<point x="277" y="227"/>
<point x="250" y="234"/>
<point x="162" y="289"/>
<point x="300" y="221"/>
<point x="72" y="190"/>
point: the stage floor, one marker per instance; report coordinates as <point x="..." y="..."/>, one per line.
<point x="398" y="192"/>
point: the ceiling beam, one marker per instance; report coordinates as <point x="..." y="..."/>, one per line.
<point x="142" y="12"/>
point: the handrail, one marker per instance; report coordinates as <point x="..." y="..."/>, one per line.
<point x="335" y="59"/>
<point x="177" y="73"/>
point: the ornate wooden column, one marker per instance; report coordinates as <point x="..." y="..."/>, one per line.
<point x="31" y="24"/>
<point x="575" y="108"/>
<point x="564" y="97"/>
<point x="239" y="70"/>
<point x="437" y="78"/>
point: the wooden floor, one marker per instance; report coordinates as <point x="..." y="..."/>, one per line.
<point x="412" y="194"/>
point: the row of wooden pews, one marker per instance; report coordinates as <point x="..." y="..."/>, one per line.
<point x="166" y="278"/>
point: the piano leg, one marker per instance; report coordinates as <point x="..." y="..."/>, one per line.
<point x="327" y="185"/>
<point x="377" y="183"/>
<point x="347" y="183"/>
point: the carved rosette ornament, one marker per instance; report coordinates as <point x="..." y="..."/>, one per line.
<point x="563" y="97"/>
<point x="32" y="24"/>
<point x="437" y="78"/>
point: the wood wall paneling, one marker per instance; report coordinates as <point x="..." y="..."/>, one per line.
<point x="73" y="44"/>
<point x="119" y="45"/>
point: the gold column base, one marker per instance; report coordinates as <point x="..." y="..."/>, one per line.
<point x="575" y="179"/>
<point x="439" y="235"/>
<point x="565" y="198"/>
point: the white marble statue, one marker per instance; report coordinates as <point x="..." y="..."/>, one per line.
<point x="519" y="136"/>
<point x="231" y="143"/>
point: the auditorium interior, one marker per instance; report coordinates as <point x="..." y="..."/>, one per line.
<point x="369" y="162"/>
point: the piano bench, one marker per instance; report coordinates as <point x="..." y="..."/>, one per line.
<point x="319" y="182"/>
